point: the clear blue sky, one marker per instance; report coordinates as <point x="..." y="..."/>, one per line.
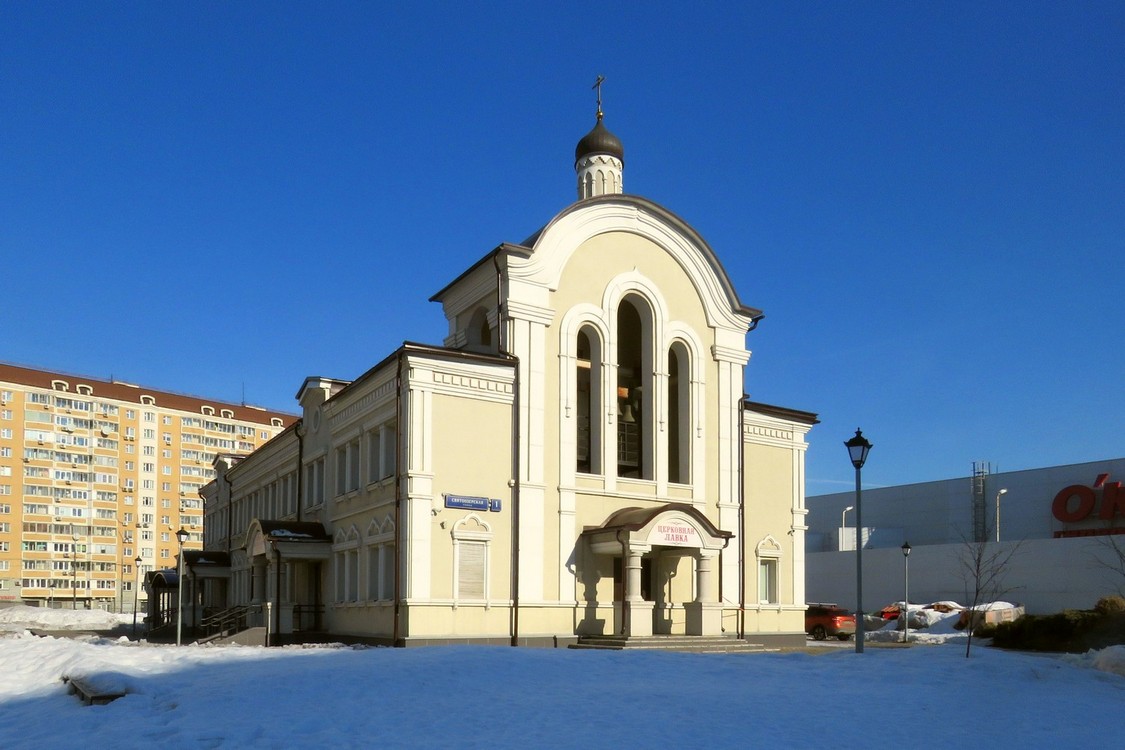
<point x="926" y="199"/>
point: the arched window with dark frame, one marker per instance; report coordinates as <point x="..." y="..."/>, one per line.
<point x="679" y="414"/>
<point x="479" y="334"/>
<point x="634" y="389"/>
<point x="588" y="374"/>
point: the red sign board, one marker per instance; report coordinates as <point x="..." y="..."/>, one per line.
<point x="1077" y="502"/>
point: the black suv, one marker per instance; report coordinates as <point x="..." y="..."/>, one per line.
<point x="823" y="620"/>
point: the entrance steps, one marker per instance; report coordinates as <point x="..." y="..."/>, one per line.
<point x="247" y="637"/>
<point x="701" y="644"/>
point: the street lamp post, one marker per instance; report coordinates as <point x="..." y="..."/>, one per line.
<point x="136" y="594"/>
<point x="844" y="523"/>
<point x="181" y="536"/>
<point x="858" y="448"/>
<point x="74" y="577"/>
<point x="998" y="494"/>
<point x="905" y="613"/>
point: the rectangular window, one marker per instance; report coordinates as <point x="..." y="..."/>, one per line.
<point x="389" y="434"/>
<point x="341" y="576"/>
<point x="767" y="581"/>
<point x="353" y="464"/>
<point x="341" y="470"/>
<point x="373" y="470"/>
<point x="470" y="570"/>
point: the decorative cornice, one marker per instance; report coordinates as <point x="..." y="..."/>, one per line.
<point x="343" y="413"/>
<point x="730" y="354"/>
<point x="533" y="313"/>
<point x="445" y="377"/>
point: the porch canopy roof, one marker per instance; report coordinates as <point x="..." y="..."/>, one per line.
<point x="206" y="563"/>
<point x="306" y="540"/>
<point x="672" y="525"/>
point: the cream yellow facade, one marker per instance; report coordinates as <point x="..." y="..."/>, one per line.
<point x="95" y="475"/>
<point x="576" y="461"/>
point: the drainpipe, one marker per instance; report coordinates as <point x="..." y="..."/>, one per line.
<point x="230" y="511"/>
<point x="300" y="431"/>
<point x="502" y="346"/>
<point x="741" y="521"/>
<point x="399" y="427"/>
<point x="277" y="595"/>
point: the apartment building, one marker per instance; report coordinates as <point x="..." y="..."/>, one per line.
<point x="97" y="475"/>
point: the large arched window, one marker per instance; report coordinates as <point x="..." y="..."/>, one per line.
<point x="588" y="379"/>
<point x="634" y="389"/>
<point x="479" y="334"/>
<point x="679" y="414"/>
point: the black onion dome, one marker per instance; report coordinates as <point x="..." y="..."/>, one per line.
<point x="599" y="141"/>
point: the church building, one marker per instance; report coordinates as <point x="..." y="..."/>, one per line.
<point x="577" y="460"/>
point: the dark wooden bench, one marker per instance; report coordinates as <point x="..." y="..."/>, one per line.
<point x="88" y="694"/>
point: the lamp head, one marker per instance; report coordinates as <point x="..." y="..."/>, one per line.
<point x="858" y="448"/>
<point x="906" y="549"/>
<point x="181" y="535"/>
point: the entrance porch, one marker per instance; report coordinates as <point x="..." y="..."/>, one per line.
<point x="648" y="547"/>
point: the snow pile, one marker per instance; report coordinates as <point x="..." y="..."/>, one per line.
<point x="1110" y="659"/>
<point x="465" y="696"/>
<point x="21" y="617"/>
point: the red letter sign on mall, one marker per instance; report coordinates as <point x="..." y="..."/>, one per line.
<point x="1113" y="501"/>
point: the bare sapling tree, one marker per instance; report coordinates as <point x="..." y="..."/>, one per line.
<point x="983" y="566"/>
<point x="1110" y="556"/>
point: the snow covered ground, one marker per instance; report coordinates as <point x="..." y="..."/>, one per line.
<point x="237" y="697"/>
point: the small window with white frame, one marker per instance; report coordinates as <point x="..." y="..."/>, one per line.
<point x="472" y="539"/>
<point x="769" y="563"/>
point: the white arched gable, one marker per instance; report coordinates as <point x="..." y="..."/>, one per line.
<point x="377" y="529"/>
<point x="678" y="332"/>
<point x="255" y="540"/>
<point x="768" y="547"/>
<point x="587" y="219"/>
<point x="472" y="527"/>
<point x="636" y="283"/>
<point x="348" y="538"/>
<point x="579" y="316"/>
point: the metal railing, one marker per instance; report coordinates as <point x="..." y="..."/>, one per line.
<point x="227" y="621"/>
<point x="308" y="617"/>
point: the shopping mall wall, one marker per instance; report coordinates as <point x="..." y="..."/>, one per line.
<point x="1045" y="575"/>
<point x="941" y="512"/>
